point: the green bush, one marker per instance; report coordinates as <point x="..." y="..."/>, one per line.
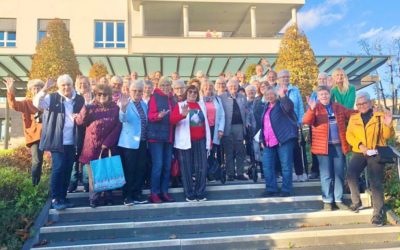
<point x="20" y="158"/>
<point x="20" y="201"/>
<point x="392" y="188"/>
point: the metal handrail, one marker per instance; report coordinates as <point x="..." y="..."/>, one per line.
<point x="397" y="153"/>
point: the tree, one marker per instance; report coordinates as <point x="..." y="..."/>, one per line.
<point x="250" y="71"/>
<point x="296" y="56"/>
<point x="98" y="70"/>
<point x="55" y="54"/>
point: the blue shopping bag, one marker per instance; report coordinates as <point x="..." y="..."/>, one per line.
<point x="107" y="173"/>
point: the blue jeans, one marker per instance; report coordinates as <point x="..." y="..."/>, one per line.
<point x="161" y="157"/>
<point x="61" y="171"/>
<point x="283" y="153"/>
<point x="331" y="168"/>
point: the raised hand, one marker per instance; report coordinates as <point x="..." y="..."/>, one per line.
<point x="387" y="118"/>
<point x="185" y="110"/>
<point x="49" y="84"/>
<point x="9" y="82"/>
<point x="311" y="103"/>
<point x="124" y="100"/>
<point x="163" y="113"/>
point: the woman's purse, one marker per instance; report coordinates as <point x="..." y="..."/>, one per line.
<point x="385" y="153"/>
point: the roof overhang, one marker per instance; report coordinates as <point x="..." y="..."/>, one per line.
<point x="356" y="67"/>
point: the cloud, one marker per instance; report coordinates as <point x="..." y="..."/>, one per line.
<point x="323" y="14"/>
<point x="381" y="34"/>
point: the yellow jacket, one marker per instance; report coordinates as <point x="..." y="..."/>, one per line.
<point x="357" y="134"/>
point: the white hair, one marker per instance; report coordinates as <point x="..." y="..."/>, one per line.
<point x="35" y="82"/>
<point x="250" y="87"/>
<point x="137" y="84"/>
<point x="283" y="72"/>
<point x="179" y="82"/>
<point x="363" y="94"/>
<point x="232" y="81"/>
<point x="64" y="79"/>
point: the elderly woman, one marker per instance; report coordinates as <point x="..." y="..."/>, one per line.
<point x="294" y="95"/>
<point x="60" y="135"/>
<point x="147" y="91"/>
<point x="192" y="141"/>
<point x="236" y="120"/>
<point x="343" y="92"/>
<point x="365" y="131"/>
<point x="82" y="87"/>
<point x="116" y="85"/>
<point x="160" y="138"/>
<point x="133" y="143"/>
<point x="178" y="88"/>
<point x="328" y="121"/>
<point x="216" y="121"/>
<point x="31" y="118"/>
<point x="277" y="138"/>
<point x="220" y="86"/>
<point x="102" y="131"/>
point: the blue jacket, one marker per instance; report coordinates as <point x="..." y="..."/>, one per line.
<point x="294" y="95"/>
<point x="131" y="126"/>
<point x="283" y="121"/>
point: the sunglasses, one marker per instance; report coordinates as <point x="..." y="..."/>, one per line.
<point x="192" y="92"/>
<point x="101" y="94"/>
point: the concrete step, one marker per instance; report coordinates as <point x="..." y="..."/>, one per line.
<point x="193" y="209"/>
<point x="360" y="246"/>
<point x="239" y="190"/>
<point x="207" y="224"/>
<point x="246" y="239"/>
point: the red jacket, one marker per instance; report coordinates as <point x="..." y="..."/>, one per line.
<point x="319" y="122"/>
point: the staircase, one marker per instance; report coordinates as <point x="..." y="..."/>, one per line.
<point x="235" y="217"/>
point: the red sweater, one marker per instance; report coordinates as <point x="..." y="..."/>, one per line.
<point x="197" y="120"/>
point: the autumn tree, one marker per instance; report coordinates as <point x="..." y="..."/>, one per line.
<point x="98" y="70"/>
<point x="296" y="56"/>
<point x="250" y="71"/>
<point x="55" y="54"/>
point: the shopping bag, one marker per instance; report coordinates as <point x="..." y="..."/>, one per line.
<point x="107" y="173"/>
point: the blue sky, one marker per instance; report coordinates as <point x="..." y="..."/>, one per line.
<point x="334" y="27"/>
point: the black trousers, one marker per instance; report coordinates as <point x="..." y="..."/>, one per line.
<point x="134" y="165"/>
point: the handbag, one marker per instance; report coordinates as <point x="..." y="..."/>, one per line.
<point x="385" y="153"/>
<point x="107" y="173"/>
<point x="175" y="169"/>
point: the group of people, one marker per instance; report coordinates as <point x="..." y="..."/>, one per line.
<point x="202" y="124"/>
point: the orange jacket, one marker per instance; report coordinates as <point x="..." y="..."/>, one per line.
<point x="367" y="135"/>
<point x="32" y="129"/>
<point x="319" y="122"/>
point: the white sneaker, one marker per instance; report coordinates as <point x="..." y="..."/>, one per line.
<point x="304" y="177"/>
<point x="295" y="178"/>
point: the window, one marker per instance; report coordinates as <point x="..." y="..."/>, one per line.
<point x="8" y="34"/>
<point x="109" y="34"/>
<point x="42" y="27"/>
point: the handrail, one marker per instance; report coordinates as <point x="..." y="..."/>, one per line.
<point x="397" y="153"/>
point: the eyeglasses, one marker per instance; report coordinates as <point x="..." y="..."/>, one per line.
<point x="361" y="104"/>
<point x="101" y="94"/>
<point x="193" y="92"/>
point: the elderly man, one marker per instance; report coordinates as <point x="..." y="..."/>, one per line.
<point x="32" y="123"/>
<point x="234" y="105"/>
<point x="271" y="78"/>
<point x="365" y="131"/>
<point x="60" y="135"/>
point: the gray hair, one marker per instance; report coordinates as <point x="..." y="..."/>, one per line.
<point x="116" y="79"/>
<point x="283" y="72"/>
<point x="232" y="81"/>
<point x="250" y="87"/>
<point x="35" y="82"/>
<point x="137" y="84"/>
<point x="323" y="74"/>
<point x="64" y="79"/>
<point x="363" y="94"/>
<point x="179" y="82"/>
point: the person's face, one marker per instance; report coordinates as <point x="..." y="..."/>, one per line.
<point x="339" y="78"/>
<point x="271" y="77"/>
<point x="66" y="89"/>
<point x="270" y="96"/>
<point x="125" y="88"/>
<point x="134" y="76"/>
<point x="259" y="70"/>
<point x="35" y="89"/>
<point x="103" y="80"/>
<point x="240" y="77"/>
<point x="155" y="80"/>
<point x="92" y="84"/>
<point x="262" y="88"/>
<point x="192" y="95"/>
<point x="322" y="81"/>
<point x="324" y="97"/>
<point x="83" y="86"/>
<point x="233" y="88"/>
<point x="363" y="105"/>
<point x="221" y="87"/>
<point x="329" y="82"/>
<point x="208" y="90"/>
<point x="175" y="76"/>
<point x="136" y="94"/>
<point x="179" y="90"/>
<point x="116" y="86"/>
<point x="157" y="75"/>
<point x="284" y="79"/>
<point x="165" y="87"/>
<point x="148" y="90"/>
<point x="251" y="94"/>
<point x="102" y="97"/>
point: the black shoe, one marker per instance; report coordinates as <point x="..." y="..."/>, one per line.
<point x="128" y="202"/>
<point x="57" y="205"/>
<point x="93" y="204"/>
<point x="190" y="199"/>
<point x="231" y="178"/>
<point x="356" y="207"/>
<point x="284" y="194"/>
<point x="328" y="207"/>
<point x="269" y="194"/>
<point x="377" y="220"/>
<point x="201" y="198"/>
<point x="241" y="177"/>
<point x="140" y="200"/>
